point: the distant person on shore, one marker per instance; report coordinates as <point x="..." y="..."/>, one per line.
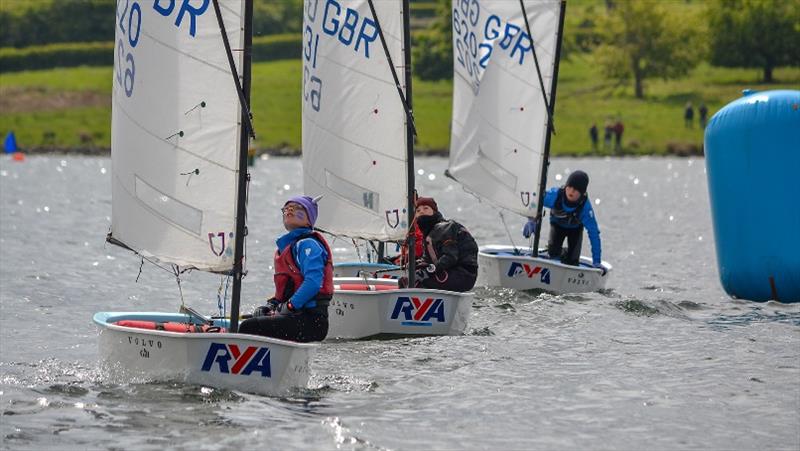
<point x="688" y="115"/>
<point x="608" y="130"/>
<point x="303" y="280"/>
<point x="594" y="136"/>
<point x="618" y="130"/>
<point x="703" y="111"/>
<point x="449" y="260"/>
<point x="570" y="211"/>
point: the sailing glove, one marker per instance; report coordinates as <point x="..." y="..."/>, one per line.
<point x="285" y="309"/>
<point x="530" y="228"/>
<point x="268" y="309"/>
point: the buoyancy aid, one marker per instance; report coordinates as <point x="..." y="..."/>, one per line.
<point x="418" y="246"/>
<point x="288" y="276"/>
<point x="560" y="216"/>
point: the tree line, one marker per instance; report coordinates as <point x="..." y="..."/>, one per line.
<point x="636" y="40"/>
<point x="25" y="23"/>
<point x="631" y="41"/>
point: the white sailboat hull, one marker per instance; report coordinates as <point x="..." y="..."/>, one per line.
<point x="355" y="312"/>
<point x="239" y="362"/>
<point x="499" y="267"/>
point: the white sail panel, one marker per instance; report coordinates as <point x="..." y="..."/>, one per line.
<point x="354" y="124"/>
<point x="499" y="119"/>
<point x="175" y="131"/>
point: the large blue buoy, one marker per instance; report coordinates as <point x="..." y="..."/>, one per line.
<point x="752" y="148"/>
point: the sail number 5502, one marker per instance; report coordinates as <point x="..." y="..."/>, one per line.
<point x="130" y="26"/>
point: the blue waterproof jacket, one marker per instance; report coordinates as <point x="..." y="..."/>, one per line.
<point x="310" y="257"/>
<point x="586" y="218"/>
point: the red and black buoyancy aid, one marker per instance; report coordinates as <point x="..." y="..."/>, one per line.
<point x="419" y="242"/>
<point x="288" y="276"/>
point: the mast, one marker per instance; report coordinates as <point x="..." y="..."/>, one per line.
<point x="244" y="175"/>
<point x="410" y="126"/>
<point x="409" y="142"/>
<point x="550" y="111"/>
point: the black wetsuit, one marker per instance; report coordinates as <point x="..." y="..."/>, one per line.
<point x="454" y="252"/>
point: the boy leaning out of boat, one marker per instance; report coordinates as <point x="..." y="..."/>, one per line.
<point x="570" y="212"/>
<point x="303" y="280"/>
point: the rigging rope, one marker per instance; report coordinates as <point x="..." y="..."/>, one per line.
<point x="503" y="219"/>
<point x="176" y="270"/>
<point x="358" y="251"/>
<point x="140" y="270"/>
<point x="244" y="242"/>
<point x="222" y="298"/>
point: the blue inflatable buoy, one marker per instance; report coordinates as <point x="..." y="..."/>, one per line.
<point x="752" y="148"/>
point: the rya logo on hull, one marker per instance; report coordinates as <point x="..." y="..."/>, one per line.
<point x="413" y="311"/>
<point x="245" y="362"/>
<point x="518" y="269"/>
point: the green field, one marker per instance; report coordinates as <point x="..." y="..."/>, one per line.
<point x="71" y="108"/>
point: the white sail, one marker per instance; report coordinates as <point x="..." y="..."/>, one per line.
<point x="175" y="131"/>
<point x="499" y="120"/>
<point x="354" y="124"/>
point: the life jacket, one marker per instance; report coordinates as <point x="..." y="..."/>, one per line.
<point x="288" y="276"/>
<point x="560" y="216"/>
<point x="418" y="246"/>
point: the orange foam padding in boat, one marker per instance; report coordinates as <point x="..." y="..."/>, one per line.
<point x="137" y="324"/>
<point x="364" y="287"/>
<point x="179" y="327"/>
<point x="169" y="326"/>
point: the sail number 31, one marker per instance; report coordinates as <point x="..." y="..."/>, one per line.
<point x="312" y="85"/>
<point x="130" y="26"/>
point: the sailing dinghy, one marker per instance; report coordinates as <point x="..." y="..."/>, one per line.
<point x="180" y="133"/>
<point x="358" y="154"/>
<point x="501" y="128"/>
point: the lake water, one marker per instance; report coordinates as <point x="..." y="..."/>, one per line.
<point x="662" y="360"/>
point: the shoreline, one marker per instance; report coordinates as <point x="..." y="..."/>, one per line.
<point x="293" y="153"/>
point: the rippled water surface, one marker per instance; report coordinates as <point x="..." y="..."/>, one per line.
<point x="662" y="360"/>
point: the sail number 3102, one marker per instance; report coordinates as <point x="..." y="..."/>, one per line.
<point x="130" y="26"/>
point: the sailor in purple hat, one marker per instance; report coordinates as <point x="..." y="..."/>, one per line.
<point x="303" y="280"/>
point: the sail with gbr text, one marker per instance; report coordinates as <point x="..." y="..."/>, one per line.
<point x="176" y="132"/>
<point x="354" y="123"/>
<point x="499" y="122"/>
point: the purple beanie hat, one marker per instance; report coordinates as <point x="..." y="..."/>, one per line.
<point x="309" y="205"/>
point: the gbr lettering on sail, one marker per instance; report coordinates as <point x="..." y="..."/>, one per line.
<point x="478" y="33"/>
<point x="336" y="24"/>
<point x="129" y="31"/>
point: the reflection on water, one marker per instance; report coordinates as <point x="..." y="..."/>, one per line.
<point x="662" y="359"/>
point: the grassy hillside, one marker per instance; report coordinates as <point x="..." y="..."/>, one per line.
<point x="19" y="7"/>
<point x="71" y="108"/>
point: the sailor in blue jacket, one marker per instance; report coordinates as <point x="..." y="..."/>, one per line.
<point x="570" y="212"/>
<point x="303" y="280"/>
